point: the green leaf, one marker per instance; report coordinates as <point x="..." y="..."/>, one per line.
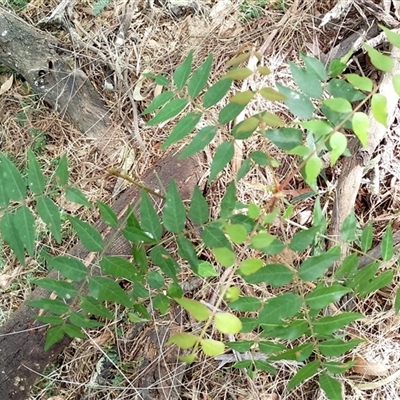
<point x="242" y="97"/>
<point x="397" y="302"/>
<point x="393" y="37"/>
<point x="184" y="340"/>
<point x="61" y="173"/>
<point x="227" y="323"/>
<point x="228" y="202"/>
<point x="331" y="387"/>
<point x="336" y="67"/>
<point x="317" y="127"/>
<point x="246" y="304"/>
<point x="262" y="240"/>
<point x="338" y="105"/>
<point x="299" y="105"/>
<point x="76" y="196"/>
<point x="11" y="236"/>
<point x="213" y="237"/>
<point x="164" y="260"/>
<point x="366" y="238"/>
<point x="187" y="251"/>
<point x="49" y="319"/>
<point x="88" y="235"/>
<point x="196" y="309"/>
<point x="174" y="213"/>
<point x="320" y="297"/>
<point x="70" y="267"/>
<point x="272" y="119"/>
<point x="340" y="88"/>
<point x="337" y="347"/>
<point x="170" y="110"/>
<point x="216" y="92"/>
<point x="119" y="268"/>
<point x="244" y="129"/>
<point x="298" y="353"/>
<point x="285" y="138"/>
<point x="261" y="158"/>
<point x="238" y="73"/>
<point x="264" y="366"/>
<point x="182" y="72"/>
<point x="250" y="266"/>
<point x="12" y="178"/>
<point x="271" y="94"/>
<point x="379" y="108"/>
<point x="242" y="346"/>
<point x="226" y="257"/>
<point x="161" y="80"/>
<point x="212" y="348"/>
<point x="360" y="82"/>
<point x="280" y="307"/>
<point x="238" y="59"/>
<point x="387" y="245"/>
<point x="53" y="336"/>
<point x="52" y="305"/>
<point x="336" y="118"/>
<point x="199" y="78"/>
<point x="36" y="181"/>
<point x="105" y="289"/>
<point x="315" y="266"/>
<point x="223" y="155"/>
<point x="61" y="288"/>
<point x="338" y="367"/>
<point x="158" y="101"/>
<point x="73" y="331"/>
<point x="329" y="324"/>
<point x="314" y="66"/>
<point x="312" y="169"/>
<point x="199" y="210"/>
<point x="175" y="290"/>
<point x="201" y="140"/>
<point x="348" y="266"/>
<point x="150" y="222"/>
<point x="161" y="303"/>
<point x="303" y="374"/>
<point x="82" y="321"/>
<point x="338" y="145"/>
<point x="360" y="124"/>
<point x="24" y="222"/>
<point x="137" y="236"/>
<point x="230" y="112"/>
<point x="273" y="274"/>
<point x="237" y="233"/>
<point x="268" y="347"/>
<point x="205" y="270"/>
<point x="49" y="213"/>
<point x="396" y="84"/>
<point x="302" y="239"/>
<point x="290" y="331"/>
<point x="155" y="280"/>
<point x="348" y="230"/>
<point x="243" y="170"/>
<point x="93" y="306"/>
<point x="379" y="60"/>
<point x="107" y="214"/>
<point x="379" y="282"/>
<point x="308" y="83"/>
<point x="184" y="126"/>
<point x="362" y="277"/>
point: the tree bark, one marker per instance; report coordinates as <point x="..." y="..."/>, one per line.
<point x="36" y="56"/>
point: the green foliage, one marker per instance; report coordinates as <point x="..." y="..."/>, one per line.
<point x="302" y="322"/>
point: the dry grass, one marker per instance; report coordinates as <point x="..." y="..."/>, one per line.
<point x="156" y="41"/>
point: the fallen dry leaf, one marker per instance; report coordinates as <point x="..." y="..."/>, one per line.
<point x="369" y="368"/>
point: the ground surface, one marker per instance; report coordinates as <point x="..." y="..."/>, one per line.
<point x="157" y="37"/>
